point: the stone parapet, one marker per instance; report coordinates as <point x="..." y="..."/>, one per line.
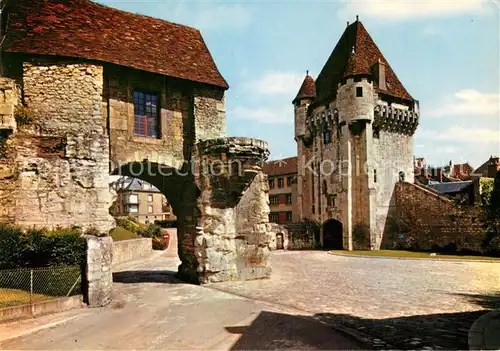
<point x="231" y="231"/>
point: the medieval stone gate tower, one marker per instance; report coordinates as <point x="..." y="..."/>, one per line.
<point x="354" y="130"/>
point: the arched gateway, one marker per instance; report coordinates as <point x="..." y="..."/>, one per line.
<point x="152" y="109"/>
<point x="332" y="235"/>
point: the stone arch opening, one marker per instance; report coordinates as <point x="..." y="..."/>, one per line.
<point x="333" y="235"/>
<point x="179" y="187"/>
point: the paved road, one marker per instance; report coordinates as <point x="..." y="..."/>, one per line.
<point x="407" y="303"/>
<point x="153" y="310"/>
<point x="404" y="303"/>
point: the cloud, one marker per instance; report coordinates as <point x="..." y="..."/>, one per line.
<point x="225" y="16"/>
<point x="206" y="16"/>
<point x="459" y="134"/>
<point x="432" y="31"/>
<point x="266" y="115"/>
<point x="276" y="83"/>
<point x="469" y="102"/>
<point x="398" y="10"/>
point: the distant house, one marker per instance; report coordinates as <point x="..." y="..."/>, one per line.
<point x="282" y="175"/>
<point x="489" y="168"/>
<point x="461" y="171"/>
<point x="461" y="190"/>
<point x="141" y="200"/>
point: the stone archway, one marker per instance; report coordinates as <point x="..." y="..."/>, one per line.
<point x="220" y="201"/>
<point x="333" y="235"/>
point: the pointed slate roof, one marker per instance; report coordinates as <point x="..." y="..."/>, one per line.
<point x="355" y="54"/>
<point x="85" y="29"/>
<point x="307" y="89"/>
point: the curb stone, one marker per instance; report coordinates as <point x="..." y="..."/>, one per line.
<point x="430" y="258"/>
<point x="478" y="339"/>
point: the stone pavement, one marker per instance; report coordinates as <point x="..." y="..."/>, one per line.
<point x="404" y="304"/>
<point x="152" y="310"/>
<point x="408" y="304"/>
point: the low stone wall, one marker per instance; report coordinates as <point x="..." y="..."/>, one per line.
<point x="129" y="250"/>
<point x="424" y="220"/>
<point x="41" y="308"/>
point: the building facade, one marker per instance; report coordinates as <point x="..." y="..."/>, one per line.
<point x="354" y="130"/>
<point x="141" y="200"/>
<point x="282" y="177"/>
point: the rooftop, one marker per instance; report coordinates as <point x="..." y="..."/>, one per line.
<point x="87" y="30"/>
<point x="281" y="167"/>
<point x="307" y="89"/>
<point x="451" y="187"/>
<point x="355" y="54"/>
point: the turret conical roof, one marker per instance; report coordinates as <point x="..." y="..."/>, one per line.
<point x="307" y="89"/>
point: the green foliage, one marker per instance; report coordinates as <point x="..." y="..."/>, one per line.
<point x="152" y="231"/>
<point x="159" y="244"/>
<point x="166" y="223"/>
<point x="486" y="186"/>
<point x="41" y="247"/>
<point x="95" y="232"/>
<point x="130" y="224"/>
<point x="119" y="234"/>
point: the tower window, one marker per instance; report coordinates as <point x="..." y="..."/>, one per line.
<point x="374" y="175"/>
<point x="359" y="91"/>
<point x="376" y="133"/>
<point x="327" y="137"/>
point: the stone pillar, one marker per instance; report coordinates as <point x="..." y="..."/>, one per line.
<point x="231" y="221"/>
<point x="98" y="272"/>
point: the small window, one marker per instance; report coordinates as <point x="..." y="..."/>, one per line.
<point x="281" y="183"/>
<point x="327" y="137"/>
<point x="288" y="199"/>
<point x="273" y="199"/>
<point x="271" y="183"/>
<point x="150" y="198"/>
<point x="273" y="217"/>
<point x="289" y="217"/>
<point x="150" y="209"/>
<point x="313" y="209"/>
<point x="359" y="91"/>
<point x="374" y="175"/>
<point x="289" y="180"/>
<point x="145" y="114"/>
<point x="376" y="133"/>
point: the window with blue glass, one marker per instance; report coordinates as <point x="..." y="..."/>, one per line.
<point x="145" y="114"/>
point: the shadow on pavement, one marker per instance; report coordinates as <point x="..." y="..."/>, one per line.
<point x="273" y="331"/>
<point x="490" y="301"/>
<point x="134" y="277"/>
<point x="447" y="331"/>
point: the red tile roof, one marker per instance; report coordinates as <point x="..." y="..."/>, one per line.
<point x="355" y="54"/>
<point x="281" y="167"/>
<point x="84" y="29"/>
<point x="461" y="171"/>
<point x="307" y="89"/>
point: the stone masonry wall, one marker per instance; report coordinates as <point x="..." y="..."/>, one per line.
<point x="210" y="113"/>
<point x="129" y="250"/>
<point x="59" y="159"/>
<point x="422" y="219"/>
<point x="65" y="97"/>
<point x="233" y="234"/>
<point x="393" y="153"/>
<point x="98" y="272"/>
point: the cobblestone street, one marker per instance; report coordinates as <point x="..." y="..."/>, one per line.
<point x="406" y="303"/>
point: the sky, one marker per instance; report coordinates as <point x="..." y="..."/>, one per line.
<point x="446" y="54"/>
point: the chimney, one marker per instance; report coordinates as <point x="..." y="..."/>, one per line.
<point x="380" y="75"/>
<point x="493" y="167"/>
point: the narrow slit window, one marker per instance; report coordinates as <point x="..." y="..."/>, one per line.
<point x="359" y="91"/>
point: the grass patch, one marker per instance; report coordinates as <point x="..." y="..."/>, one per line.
<point x="16" y="297"/>
<point x="411" y="254"/>
<point x="120" y="233"/>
